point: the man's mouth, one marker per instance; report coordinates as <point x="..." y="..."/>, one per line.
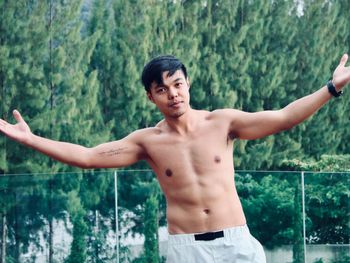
<point x="175" y="103"/>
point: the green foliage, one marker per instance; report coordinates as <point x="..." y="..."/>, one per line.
<point x="151" y="248"/>
<point x="261" y="193"/>
<point x="328" y="128"/>
<point x="78" y="246"/>
<point x="83" y="70"/>
<point x="326" y="196"/>
<point x="72" y="68"/>
<point x="298" y="239"/>
<point x="327" y="163"/>
<point x="343" y="258"/>
<point x="23" y="49"/>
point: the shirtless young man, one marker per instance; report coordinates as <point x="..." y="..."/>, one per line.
<point x="190" y="151"/>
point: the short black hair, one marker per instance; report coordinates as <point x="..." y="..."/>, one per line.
<point x="154" y="70"/>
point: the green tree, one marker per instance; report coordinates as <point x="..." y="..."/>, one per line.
<point x="149" y="220"/>
<point x="260" y="193"/>
<point x="97" y="195"/>
<point x="23" y="53"/>
<point x="326" y="198"/>
<point x="103" y="59"/>
<point x="23" y="47"/>
<point x="77" y="213"/>
<point x="151" y="247"/>
<point x="328" y="128"/>
<point x="6" y="203"/>
<point x="262" y="73"/>
<point x="75" y="114"/>
<point x="298" y="239"/>
<point x="212" y="89"/>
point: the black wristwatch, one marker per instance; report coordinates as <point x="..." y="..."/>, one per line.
<point x="332" y="90"/>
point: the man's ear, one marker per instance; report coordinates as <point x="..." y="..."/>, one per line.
<point x="188" y="82"/>
<point x="149" y="96"/>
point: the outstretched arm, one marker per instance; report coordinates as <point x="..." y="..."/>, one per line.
<point x="246" y="125"/>
<point x="113" y="154"/>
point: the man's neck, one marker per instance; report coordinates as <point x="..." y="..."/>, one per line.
<point x="184" y="124"/>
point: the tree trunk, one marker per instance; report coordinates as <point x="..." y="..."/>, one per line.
<point x="298" y="247"/>
<point x="50" y="240"/>
<point x="96" y="258"/>
<point x="3" y="238"/>
<point x="17" y="240"/>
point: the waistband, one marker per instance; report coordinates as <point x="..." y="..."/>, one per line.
<point x="231" y="233"/>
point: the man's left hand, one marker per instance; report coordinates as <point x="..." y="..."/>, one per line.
<point x="341" y="75"/>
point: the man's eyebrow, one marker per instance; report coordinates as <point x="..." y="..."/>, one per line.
<point x="166" y="86"/>
<point x="162" y="85"/>
<point x="175" y="80"/>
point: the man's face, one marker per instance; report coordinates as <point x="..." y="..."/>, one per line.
<point x="172" y="97"/>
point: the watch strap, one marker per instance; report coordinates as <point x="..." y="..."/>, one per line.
<point x="332" y="90"/>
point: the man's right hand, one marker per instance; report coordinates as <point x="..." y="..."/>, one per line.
<point x="19" y="132"/>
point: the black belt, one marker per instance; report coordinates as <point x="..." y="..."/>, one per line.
<point x="209" y="236"/>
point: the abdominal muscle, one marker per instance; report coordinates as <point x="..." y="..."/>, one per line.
<point x="204" y="205"/>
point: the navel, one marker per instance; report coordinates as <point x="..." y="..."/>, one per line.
<point x="206" y="211"/>
<point x="168" y="172"/>
<point x="217" y="159"/>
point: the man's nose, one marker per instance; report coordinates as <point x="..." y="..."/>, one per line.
<point x="172" y="93"/>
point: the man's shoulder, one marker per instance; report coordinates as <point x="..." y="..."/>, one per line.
<point x="223" y="113"/>
<point x="141" y="133"/>
<point x="159" y="125"/>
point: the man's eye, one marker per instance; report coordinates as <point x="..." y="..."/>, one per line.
<point x="178" y="84"/>
<point x="160" y="90"/>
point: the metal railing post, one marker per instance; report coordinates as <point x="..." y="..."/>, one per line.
<point x="116" y="212"/>
<point x="304" y="215"/>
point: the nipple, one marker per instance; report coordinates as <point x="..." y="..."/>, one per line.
<point x="206" y="211"/>
<point x="168" y="172"/>
<point x="217" y="159"/>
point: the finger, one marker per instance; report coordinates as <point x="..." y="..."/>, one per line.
<point x="2" y="125"/>
<point x="2" y="122"/>
<point x="17" y="116"/>
<point x="343" y="60"/>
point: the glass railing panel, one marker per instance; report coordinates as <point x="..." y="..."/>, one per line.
<point x="272" y="205"/>
<point x="51" y="217"/>
<point x="271" y="201"/>
<point x="141" y="208"/>
<point x="327" y="217"/>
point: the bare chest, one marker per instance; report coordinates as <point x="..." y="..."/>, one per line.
<point x="204" y="152"/>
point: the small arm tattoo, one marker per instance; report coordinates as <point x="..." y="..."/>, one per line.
<point x="113" y="152"/>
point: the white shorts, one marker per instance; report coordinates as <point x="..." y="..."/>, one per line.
<point x="235" y="245"/>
